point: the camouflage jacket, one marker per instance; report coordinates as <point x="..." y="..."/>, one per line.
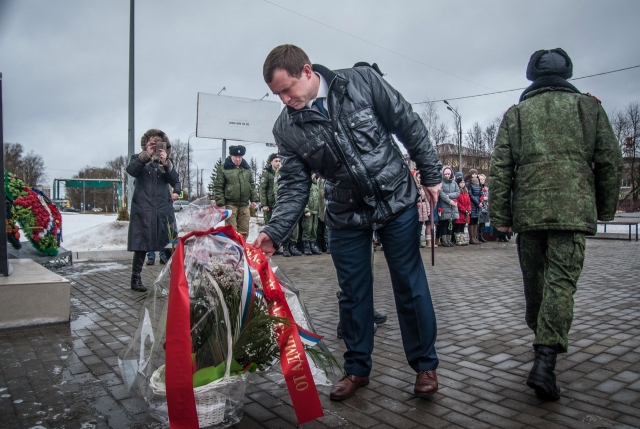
<point x="556" y="164"/>
<point x="234" y="186"/>
<point x="268" y="188"/>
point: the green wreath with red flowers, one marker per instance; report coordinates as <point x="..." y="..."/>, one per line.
<point x="37" y="216"/>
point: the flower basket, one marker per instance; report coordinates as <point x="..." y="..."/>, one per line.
<point x="216" y="313"/>
<point x="218" y="403"/>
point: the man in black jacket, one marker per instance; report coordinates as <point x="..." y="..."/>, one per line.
<point x="340" y="123"/>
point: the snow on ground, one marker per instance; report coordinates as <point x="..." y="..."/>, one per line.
<point x="96" y="232"/>
<point x="74" y="222"/>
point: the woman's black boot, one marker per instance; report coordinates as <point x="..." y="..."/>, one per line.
<point x="136" y="269"/>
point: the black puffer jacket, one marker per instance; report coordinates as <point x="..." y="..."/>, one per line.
<point x="367" y="181"/>
<point x="151" y="206"/>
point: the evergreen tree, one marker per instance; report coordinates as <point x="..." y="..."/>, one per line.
<point x="214" y="174"/>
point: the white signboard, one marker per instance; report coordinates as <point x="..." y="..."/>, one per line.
<point x="235" y="118"/>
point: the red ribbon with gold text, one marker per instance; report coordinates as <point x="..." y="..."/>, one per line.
<point x="293" y="359"/>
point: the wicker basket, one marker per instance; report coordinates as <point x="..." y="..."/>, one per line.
<point x="212" y="400"/>
<point x="219" y="402"/>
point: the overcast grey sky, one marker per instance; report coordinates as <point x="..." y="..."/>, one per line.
<point x="65" y="62"/>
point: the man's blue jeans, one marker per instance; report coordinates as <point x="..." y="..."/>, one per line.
<point x="351" y="254"/>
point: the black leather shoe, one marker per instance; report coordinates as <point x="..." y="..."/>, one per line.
<point x="542" y="377"/>
<point x="151" y="261"/>
<point x="285" y="251"/>
<point x="347" y="387"/>
<point x="163" y="259"/>
<point x="379" y="318"/>
<point x="307" y="248"/>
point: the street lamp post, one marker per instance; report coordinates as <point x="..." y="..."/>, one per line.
<point x="197" y="182"/>
<point x="189" y="162"/>
<point x="459" y="126"/>
<point x="94" y="192"/>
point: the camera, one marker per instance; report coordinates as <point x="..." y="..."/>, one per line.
<point x="156" y="154"/>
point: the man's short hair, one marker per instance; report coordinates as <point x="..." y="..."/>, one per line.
<point x="289" y="58"/>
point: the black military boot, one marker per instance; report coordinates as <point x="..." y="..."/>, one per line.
<point x="306" y="247"/>
<point x="315" y="249"/>
<point x="293" y="248"/>
<point x="542" y="377"/>
<point x="136" y="269"/>
<point x="285" y="251"/>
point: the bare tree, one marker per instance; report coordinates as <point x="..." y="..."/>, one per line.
<point x="253" y="164"/>
<point x="490" y="133"/>
<point x="33" y="169"/>
<point x="117" y="169"/>
<point x="13" y="158"/>
<point x="626" y="126"/>
<point x="476" y="147"/>
<point x="438" y="131"/>
<point x="181" y="158"/>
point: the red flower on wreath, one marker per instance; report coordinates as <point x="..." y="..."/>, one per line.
<point x="38" y="217"/>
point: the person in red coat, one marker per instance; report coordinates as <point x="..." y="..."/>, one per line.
<point x="464" y="207"/>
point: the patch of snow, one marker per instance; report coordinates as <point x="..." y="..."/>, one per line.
<point x="106" y="236"/>
<point x="94" y="232"/>
<point x="2" y="389"/>
<point x="18" y="401"/>
<point x="74" y="222"/>
<point x="110" y="266"/>
<point x="6" y="395"/>
<point x="57" y="369"/>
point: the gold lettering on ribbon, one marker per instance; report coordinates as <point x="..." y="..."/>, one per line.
<point x="301" y="385"/>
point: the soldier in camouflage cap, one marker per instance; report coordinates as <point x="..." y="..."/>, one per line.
<point x="555" y="171"/>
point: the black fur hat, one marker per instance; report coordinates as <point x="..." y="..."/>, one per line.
<point x="549" y="62"/>
<point x="272" y="157"/>
<point x="237" y="150"/>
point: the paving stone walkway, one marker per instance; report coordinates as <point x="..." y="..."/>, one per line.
<point x="66" y="376"/>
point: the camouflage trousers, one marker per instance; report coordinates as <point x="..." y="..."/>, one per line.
<point x="551" y="263"/>
<point x="309" y="227"/>
<point x="239" y="219"/>
<point x="267" y="215"/>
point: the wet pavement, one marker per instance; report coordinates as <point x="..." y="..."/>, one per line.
<point x="66" y="376"/>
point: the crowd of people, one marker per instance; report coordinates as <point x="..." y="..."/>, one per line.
<point x="462" y="211"/>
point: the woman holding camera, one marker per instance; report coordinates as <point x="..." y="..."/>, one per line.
<point x="152" y="221"/>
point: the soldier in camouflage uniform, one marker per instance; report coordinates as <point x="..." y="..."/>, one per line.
<point x="555" y="171"/>
<point x="291" y="248"/>
<point x="234" y="189"/>
<point x="310" y="220"/>
<point x="268" y="186"/>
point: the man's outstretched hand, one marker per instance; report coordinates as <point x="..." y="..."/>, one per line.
<point x="264" y="243"/>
